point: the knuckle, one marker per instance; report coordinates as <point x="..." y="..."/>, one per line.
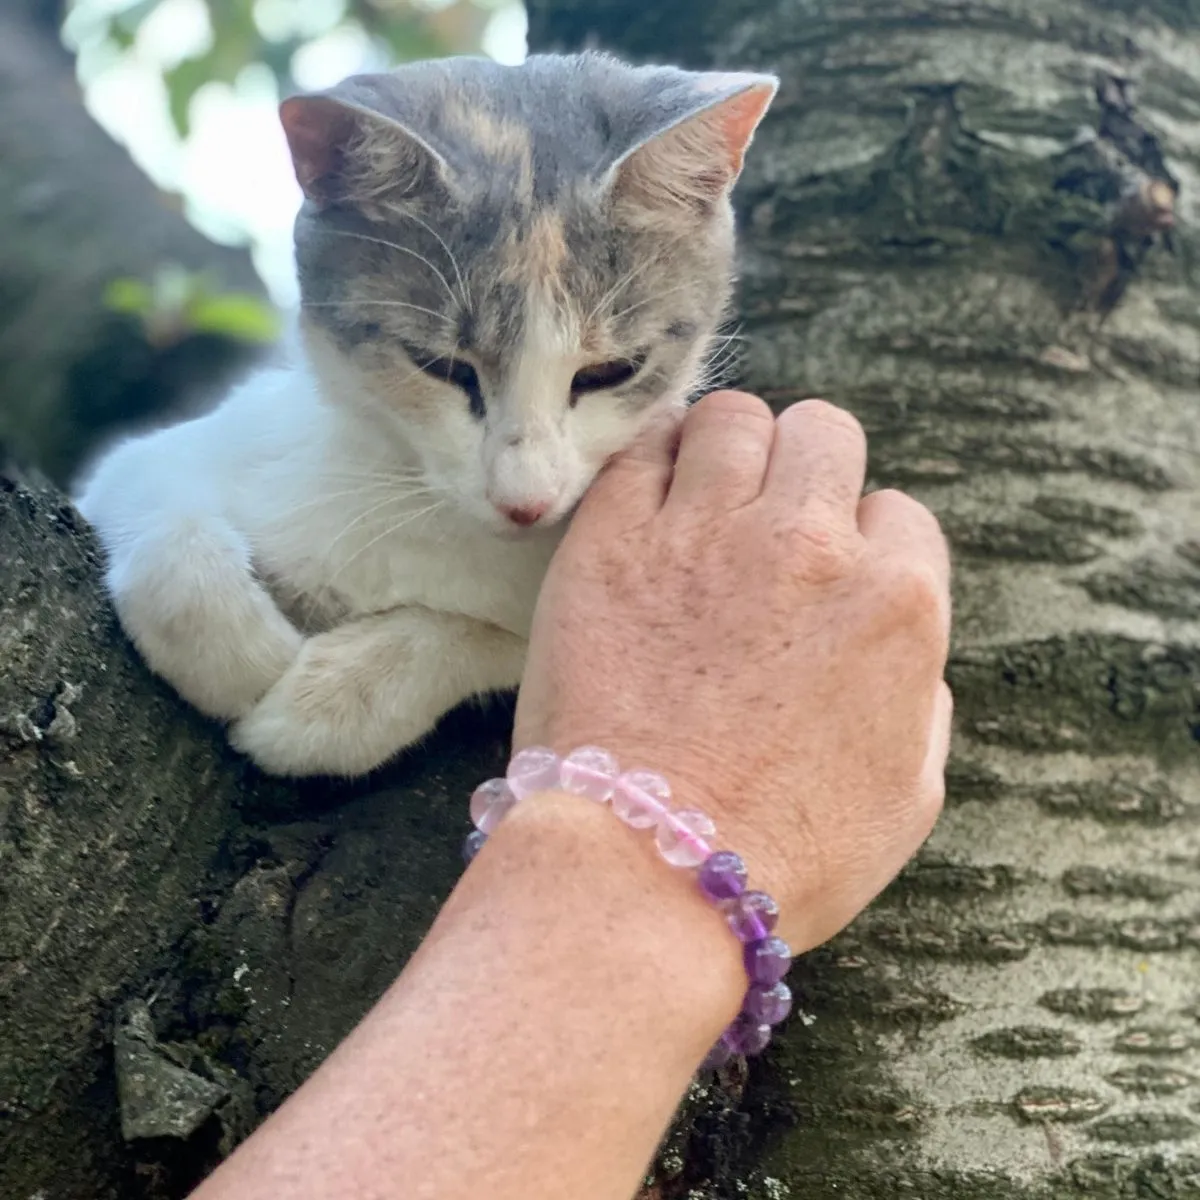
<point x="827" y="415"/>
<point x="817" y="553"/>
<point x="907" y="507"/>
<point x="917" y="599"/>
<point x="932" y="802"/>
<point x="740" y="407"/>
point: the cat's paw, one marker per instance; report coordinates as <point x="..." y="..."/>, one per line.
<point x="334" y="713"/>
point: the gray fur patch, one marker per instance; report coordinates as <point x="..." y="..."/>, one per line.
<point x="515" y="198"/>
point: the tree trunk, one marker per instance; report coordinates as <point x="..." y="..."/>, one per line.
<point x="978" y="268"/>
<point x="75" y="215"/>
<point x="954" y="225"/>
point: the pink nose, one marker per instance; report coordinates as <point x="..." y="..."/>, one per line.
<point x="525" y="514"/>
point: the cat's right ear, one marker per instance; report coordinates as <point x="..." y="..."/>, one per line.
<point x="343" y="154"/>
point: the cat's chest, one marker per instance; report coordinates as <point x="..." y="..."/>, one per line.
<point x="348" y="564"/>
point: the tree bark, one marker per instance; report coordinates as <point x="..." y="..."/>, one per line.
<point x="76" y="214"/>
<point x="954" y="224"/>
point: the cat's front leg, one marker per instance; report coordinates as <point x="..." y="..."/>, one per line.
<point x="357" y="695"/>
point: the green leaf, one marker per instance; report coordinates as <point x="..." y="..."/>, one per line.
<point x="236" y="315"/>
<point x="129" y="296"/>
<point x="183" y="82"/>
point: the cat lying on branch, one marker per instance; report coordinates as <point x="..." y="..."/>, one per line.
<point x="506" y="272"/>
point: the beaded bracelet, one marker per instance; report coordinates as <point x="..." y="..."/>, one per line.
<point x="641" y="799"/>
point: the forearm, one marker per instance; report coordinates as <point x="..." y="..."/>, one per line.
<point x="503" y="1061"/>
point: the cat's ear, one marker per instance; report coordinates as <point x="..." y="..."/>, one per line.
<point x="344" y="154"/>
<point x="695" y="155"/>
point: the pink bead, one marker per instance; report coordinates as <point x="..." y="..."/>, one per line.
<point x="490" y="804"/>
<point x="589" y="771"/>
<point x="532" y="770"/>
<point x="681" y="837"/>
<point x="640" y="798"/>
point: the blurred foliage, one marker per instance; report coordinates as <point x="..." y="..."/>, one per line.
<point x="240" y="33"/>
<point x="179" y="304"/>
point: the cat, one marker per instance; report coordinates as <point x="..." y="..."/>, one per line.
<point x="505" y="274"/>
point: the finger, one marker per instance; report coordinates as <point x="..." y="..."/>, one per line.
<point x="818" y="461"/>
<point x="723" y="451"/>
<point x="634" y="483"/>
<point x="898" y="525"/>
<point x="933" y="774"/>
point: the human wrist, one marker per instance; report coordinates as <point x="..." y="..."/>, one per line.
<point x="644" y="800"/>
<point x="780" y="857"/>
<point x="608" y="890"/>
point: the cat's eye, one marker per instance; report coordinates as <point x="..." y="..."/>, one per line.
<point x="454" y="371"/>
<point x="601" y="376"/>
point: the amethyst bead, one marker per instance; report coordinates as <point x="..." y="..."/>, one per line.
<point x="719" y="1055"/>
<point x="752" y="916"/>
<point x="723" y="876"/>
<point x="747" y="1036"/>
<point x="767" y="1005"/>
<point x="768" y="961"/>
<point x="473" y="844"/>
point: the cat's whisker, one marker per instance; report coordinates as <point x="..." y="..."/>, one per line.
<point x="611" y="295"/>
<point x="377" y="303"/>
<point x="368" y="512"/>
<point x="392" y="529"/>
<point x="363" y="237"/>
<point x="462" y="283"/>
<point x="317" y="501"/>
<point x="683" y="287"/>
<point x="364" y="516"/>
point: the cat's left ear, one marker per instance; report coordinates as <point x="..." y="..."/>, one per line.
<point x="343" y="153"/>
<point x="695" y="157"/>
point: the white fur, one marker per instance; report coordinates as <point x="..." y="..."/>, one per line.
<point x="317" y="494"/>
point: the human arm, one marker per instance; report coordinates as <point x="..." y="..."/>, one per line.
<point x="735" y="618"/>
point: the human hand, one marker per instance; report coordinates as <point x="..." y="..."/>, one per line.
<point x="735" y="617"/>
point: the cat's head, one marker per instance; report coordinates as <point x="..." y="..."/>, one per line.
<point x="514" y="267"/>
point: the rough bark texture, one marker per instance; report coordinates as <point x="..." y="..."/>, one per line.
<point x="77" y="214"/>
<point x="954" y="226"/>
<point x="141" y="861"/>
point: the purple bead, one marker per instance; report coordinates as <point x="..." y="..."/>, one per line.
<point x="752" y="916"/>
<point x="768" y="961"/>
<point x="473" y="845"/>
<point x="491" y="802"/>
<point x="723" y="876"/>
<point x="532" y="770"/>
<point x="767" y="1005"/>
<point x="591" y="772"/>
<point x="719" y="1055"/>
<point x="748" y="1036"/>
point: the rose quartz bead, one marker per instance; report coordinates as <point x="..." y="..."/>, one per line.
<point x="534" y="769"/>
<point x="490" y="804"/>
<point x="589" y="771"/>
<point x="681" y="837"/>
<point x="640" y="798"/>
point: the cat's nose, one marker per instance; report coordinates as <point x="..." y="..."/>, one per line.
<point x="525" y="514"/>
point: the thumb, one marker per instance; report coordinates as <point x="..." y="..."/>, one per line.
<point x="633" y="484"/>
